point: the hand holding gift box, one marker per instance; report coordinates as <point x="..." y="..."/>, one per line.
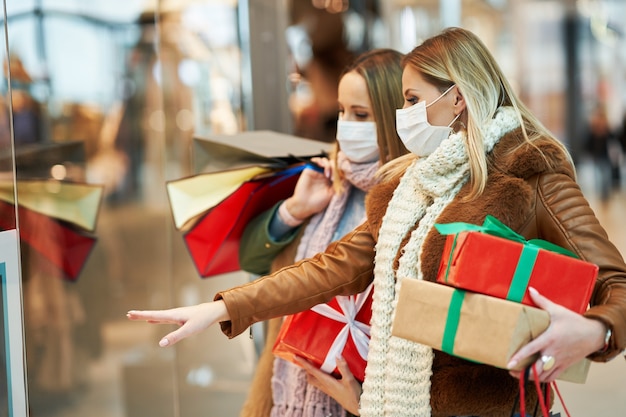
<point x="338" y="328"/>
<point x="494" y="260"/>
<point x="464" y="324"/>
<point x="472" y="326"/>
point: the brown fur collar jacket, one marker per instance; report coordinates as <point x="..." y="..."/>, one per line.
<point x="535" y="195"/>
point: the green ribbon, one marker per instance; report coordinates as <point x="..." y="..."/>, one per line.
<point x="452" y="324"/>
<point x="452" y="321"/>
<point x="526" y="262"/>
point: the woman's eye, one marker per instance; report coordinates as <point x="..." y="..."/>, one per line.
<point x="412" y="100"/>
<point x="362" y="116"/>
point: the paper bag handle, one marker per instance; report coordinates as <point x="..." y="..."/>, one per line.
<point x="543" y="392"/>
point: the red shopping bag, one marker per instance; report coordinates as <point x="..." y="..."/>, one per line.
<point x="213" y="240"/>
<point x="543" y="394"/>
<point x="64" y="245"/>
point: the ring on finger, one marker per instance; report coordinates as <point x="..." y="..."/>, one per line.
<point x="548" y="362"/>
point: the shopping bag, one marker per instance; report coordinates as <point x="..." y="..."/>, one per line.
<point x="63" y="244"/>
<point x="191" y="196"/>
<point x="261" y="148"/>
<point x="73" y="202"/>
<point x="543" y="394"/>
<point x="223" y="162"/>
<point x="213" y="239"/>
<point x="237" y="177"/>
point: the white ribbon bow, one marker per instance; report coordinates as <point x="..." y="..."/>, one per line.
<point x="360" y="332"/>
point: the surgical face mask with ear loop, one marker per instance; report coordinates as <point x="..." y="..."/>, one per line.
<point x="419" y="136"/>
<point x="358" y="140"/>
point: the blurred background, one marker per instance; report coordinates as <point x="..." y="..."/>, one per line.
<point x="112" y="92"/>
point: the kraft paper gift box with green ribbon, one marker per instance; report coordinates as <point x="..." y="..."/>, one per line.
<point x="469" y="325"/>
<point x="494" y="260"/>
<point x="473" y="326"/>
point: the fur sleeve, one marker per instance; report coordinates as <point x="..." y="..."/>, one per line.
<point x="376" y="202"/>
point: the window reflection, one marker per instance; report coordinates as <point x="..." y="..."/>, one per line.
<point x="6" y="150"/>
<point x="111" y="93"/>
<point x="7" y="224"/>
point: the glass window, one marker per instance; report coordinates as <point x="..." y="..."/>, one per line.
<point x="107" y="98"/>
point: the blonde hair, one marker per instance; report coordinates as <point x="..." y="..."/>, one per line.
<point x="458" y="57"/>
<point x="382" y="70"/>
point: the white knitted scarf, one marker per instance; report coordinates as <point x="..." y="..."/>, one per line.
<point x="397" y="382"/>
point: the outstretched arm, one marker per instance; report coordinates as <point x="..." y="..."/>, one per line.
<point x="191" y="319"/>
<point x="345" y="268"/>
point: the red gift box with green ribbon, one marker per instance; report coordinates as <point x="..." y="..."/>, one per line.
<point x="494" y="260"/>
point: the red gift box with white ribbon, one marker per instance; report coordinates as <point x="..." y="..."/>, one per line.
<point x="338" y="328"/>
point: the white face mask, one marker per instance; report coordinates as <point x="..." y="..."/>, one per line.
<point x="358" y="140"/>
<point x="419" y="136"/>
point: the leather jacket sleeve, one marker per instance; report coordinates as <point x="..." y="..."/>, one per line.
<point x="564" y="217"/>
<point x="345" y="268"/>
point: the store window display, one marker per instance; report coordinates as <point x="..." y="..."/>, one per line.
<point x="132" y="82"/>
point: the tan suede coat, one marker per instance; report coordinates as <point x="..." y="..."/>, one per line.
<point x="535" y="195"/>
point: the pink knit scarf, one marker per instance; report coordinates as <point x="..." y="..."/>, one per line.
<point x="321" y="228"/>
